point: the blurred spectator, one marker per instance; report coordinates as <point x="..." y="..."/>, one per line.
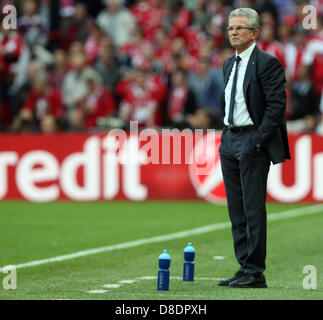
<point x="107" y="65"/>
<point x="158" y="90"/>
<point x="304" y="101"/>
<point x="313" y="56"/>
<point x="267" y="6"/>
<point x="48" y="124"/>
<point x="76" y="47"/>
<point x="319" y="5"/>
<point x="24" y="122"/>
<point x="294" y="44"/>
<point x="218" y="12"/>
<point x="92" y="43"/>
<point x="180" y="101"/>
<point x="207" y="89"/>
<point x="66" y="8"/>
<point x="77" y="121"/>
<point x="21" y="94"/>
<point x="268" y="43"/>
<point x="285" y="8"/>
<point x="285" y="33"/>
<point x="42" y="100"/>
<point x="163" y="51"/>
<point x="267" y="18"/>
<point x="207" y="49"/>
<point x="49" y="10"/>
<point x="200" y="16"/>
<point x="98" y="102"/>
<point x="116" y="22"/>
<point x="139" y="99"/>
<point x="176" y="18"/>
<point x="10" y="50"/>
<point x="151" y="81"/>
<point x="181" y="58"/>
<point x="202" y="119"/>
<point x="149" y="16"/>
<point x="74" y="87"/>
<point x="33" y="26"/>
<point x="135" y="52"/>
<point x="58" y="70"/>
<point x="75" y="27"/>
<point x="194" y="38"/>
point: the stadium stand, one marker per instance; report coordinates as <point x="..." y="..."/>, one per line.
<point x="75" y="65"/>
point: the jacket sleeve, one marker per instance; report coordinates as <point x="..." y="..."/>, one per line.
<point x="273" y="84"/>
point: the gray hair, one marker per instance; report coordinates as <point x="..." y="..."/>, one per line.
<point x="253" y="17"/>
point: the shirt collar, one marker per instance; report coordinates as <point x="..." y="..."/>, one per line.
<point x="247" y="53"/>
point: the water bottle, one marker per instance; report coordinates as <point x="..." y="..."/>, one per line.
<point x="189" y="255"/>
<point x="163" y="273"/>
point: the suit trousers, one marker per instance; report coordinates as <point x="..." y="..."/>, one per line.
<point x="245" y="172"/>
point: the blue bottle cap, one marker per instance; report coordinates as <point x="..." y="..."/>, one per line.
<point x="189" y="248"/>
<point x="164" y="255"/>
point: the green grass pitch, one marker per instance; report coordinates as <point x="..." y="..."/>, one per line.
<point x="30" y="232"/>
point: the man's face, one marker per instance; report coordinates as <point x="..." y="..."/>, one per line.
<point x="243" y="38"/>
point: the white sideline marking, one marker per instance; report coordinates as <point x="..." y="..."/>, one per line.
<point x="218" y="257"/>
<point x="145" y="278"/>
<point x="97" y="291"/>
<point x="166" y="237"/>
<point x="127" y="281"/>
<point x="114" y="285"/>
<point x="148" y="278"/>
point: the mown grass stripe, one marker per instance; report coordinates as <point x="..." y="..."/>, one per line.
<point x="172" y="236"/>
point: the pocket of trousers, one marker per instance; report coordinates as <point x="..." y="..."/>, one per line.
<point x="222" y="141"/>
<point x="250" y="146"/>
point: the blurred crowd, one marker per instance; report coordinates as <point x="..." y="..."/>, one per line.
<point x="91" y="65"/>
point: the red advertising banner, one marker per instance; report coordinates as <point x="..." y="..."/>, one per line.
<point x="170" y="165"/>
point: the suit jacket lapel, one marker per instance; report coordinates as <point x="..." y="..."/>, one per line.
<point x="249" y="71"/>
<point x="228" y="70"/>
<point x="226" y="76"/>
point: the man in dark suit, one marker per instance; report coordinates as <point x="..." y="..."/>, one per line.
<point x="254" y="135"/>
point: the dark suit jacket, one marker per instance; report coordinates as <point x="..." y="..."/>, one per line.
<point x="264" y="92"/>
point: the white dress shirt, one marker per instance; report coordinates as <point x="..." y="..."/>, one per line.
<point x="240" y="112"/>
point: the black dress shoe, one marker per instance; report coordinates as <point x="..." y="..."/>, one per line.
<point x="249" y="281"/>
<point x="225" y="283"/>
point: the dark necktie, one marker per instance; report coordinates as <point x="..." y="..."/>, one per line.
<point x="233" y="91"/>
